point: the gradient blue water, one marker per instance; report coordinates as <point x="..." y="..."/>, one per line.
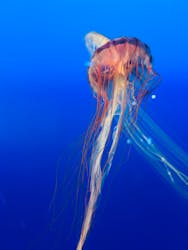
<point x="46" y="106"/>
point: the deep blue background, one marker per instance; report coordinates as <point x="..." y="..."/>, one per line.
<point x="46" y="106"/>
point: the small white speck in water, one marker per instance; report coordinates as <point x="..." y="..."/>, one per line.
<point x="128" y="141"/>
<point x="153" y="97"/>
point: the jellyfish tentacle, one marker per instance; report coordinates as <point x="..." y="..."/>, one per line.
<point x="97" y="174"/>
<point x="95" y="182"/>
<point x="168" y="158"/>
<point x="117" y="129"/>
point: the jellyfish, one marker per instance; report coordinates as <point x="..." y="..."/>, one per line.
<point x="121" y="75"/>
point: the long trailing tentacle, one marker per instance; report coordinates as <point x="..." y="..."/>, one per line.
<point x="97" y="172"/>
<point x="164" y="154"/>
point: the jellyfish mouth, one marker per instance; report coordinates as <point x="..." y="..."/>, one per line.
<point x="98" y="171"/>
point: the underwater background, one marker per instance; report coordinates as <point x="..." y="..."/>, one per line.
<point x="46" y="106"/>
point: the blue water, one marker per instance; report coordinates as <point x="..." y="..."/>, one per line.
<point x="46" y="106"/>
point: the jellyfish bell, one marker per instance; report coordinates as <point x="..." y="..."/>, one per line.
<point x="118" y="57"/>
<point x="122" y="65"/>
